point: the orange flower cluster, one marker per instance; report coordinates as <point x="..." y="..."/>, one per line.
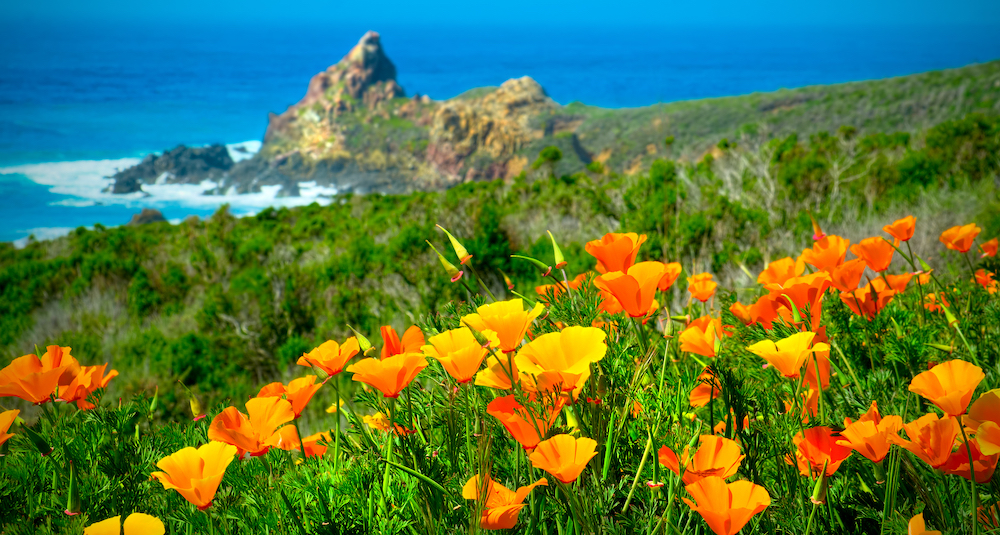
<point x="55" y="375"/>
<point x="627" y="286"/>
<point x="726" y="507"/>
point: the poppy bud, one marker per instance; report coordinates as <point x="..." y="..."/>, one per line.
<point x="822" y="485"/>
<point x="453" y="272"/>
<point x="506" y="280"/>
<point x="156" y="397"/>
<point x="557" y="252"/>
<point x="73" y="499"/>
<point x="39" y="442"/>
<point x="546" y="269"/>
<point x="942" y="347"/>
<point x="923" y="265"/>
<point x="481" y="339"/>
<point x="196" y="410"/>
<point x="363" y="343"/>
<point x="899" y="330"/>
<point x="879" y="473"/>
<point x="463" y="254"/>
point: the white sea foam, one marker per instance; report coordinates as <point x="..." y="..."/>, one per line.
<point x="243" y="151"/>
<point x="86" y="182"/>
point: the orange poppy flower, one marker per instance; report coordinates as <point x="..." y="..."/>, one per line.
<point x="413" y="340"/>
<point x="636" y="288"/>
<point x="949" y="385"/>
<point x="826" y="253"/>
<point x="701" y="337"/>
<point x="726" y="508"/>
<point x="958" y="463"/>
<point x="556" y="289"/>
<point x="819" y="446"/>
<point x="768" y="308"/>
<point x="931" y="301"/>
<point x="567" y="354"/>
<point x="702" y="287"/>
<point x="901" y="229"/>
<point x="870" y="300"/>
<point x="615" y="251"/>
<point x="135" y="524"/>
<point x="35" y="379"/>
<point x="6" y="420"/>
<point x="564" y="456"/>
<point x="822" y="357"/>
<point x="507" y="318"/>
<point x="788" y="354"/>
<point x="808" y="401"/>
<point x="876" y="252"/>
<point x="708" y="389"/>
<point x="502" y="505"/>
<point x="525" y="425"/>
<point x="960" y="238"/>
<point x="931" y="439"/>
<point x="989" y="248"/>
<point x="298" y="392"/>
<point x="779" y="271"/>
<point x="716" y="456"/>
<point x="500" y="372"/>
<point x="918" y="527"/>
<point x="255" y="434"/>
<point x="196" y="473"/>
<point x="381" y="422"/>
<point x="983" y="419"/>
<point x="609" y="303"/>
<point x="459" y="352"/>
<point x="804" y="291"/>
<point x="847" y="276"/>
<point x="88" y="380"/>
<point x="673" y="270"/>
<point x="985" y="279"/>
<point x="899" y="282"/>
<point x="871" y="438"/>
<point x="331" y="356"/>
<point x="312" y="445"/>
<point x="742" y="313"/>
<point x="389" y="375"/>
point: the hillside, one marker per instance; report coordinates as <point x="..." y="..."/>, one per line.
<point x="355" y="130"/>
<point x="220" y="303"/>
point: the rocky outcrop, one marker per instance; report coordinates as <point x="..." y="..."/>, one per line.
<point x="354" y="130"/>
<point x="146" y="216"/>
<point x="181" y="165"/>
<point x="365" y="77"/>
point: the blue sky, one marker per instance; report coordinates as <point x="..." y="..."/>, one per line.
<point x="514" y="12"/>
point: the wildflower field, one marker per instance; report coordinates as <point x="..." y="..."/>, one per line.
<point x="841" y="398"/>
<point x="761" y="349"/>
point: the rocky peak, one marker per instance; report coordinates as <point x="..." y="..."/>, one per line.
<point x="365" y="74"/>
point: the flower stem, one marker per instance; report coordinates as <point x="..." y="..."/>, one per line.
<point x="972" y="479"/>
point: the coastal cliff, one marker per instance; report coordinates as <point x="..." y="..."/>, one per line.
<point x="356" y="130"/>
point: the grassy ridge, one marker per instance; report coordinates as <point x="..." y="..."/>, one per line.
<point x="225" y="301"/>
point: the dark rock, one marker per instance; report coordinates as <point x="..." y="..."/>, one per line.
<point x="147" y="215"/>
<point x="126" y="184"/>
<point x="181" y="165"/>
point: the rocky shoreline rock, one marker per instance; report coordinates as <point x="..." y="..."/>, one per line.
<point x="180" y="165"/>
<point x="355" y="130"/>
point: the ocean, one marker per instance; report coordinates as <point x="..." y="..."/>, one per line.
<point x="79" y="102"/>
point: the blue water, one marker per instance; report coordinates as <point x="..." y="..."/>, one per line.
<point x="95" y="93"/>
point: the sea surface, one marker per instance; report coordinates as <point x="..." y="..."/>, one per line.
<point x="79" y="102"/>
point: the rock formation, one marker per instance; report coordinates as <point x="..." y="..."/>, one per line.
<point x="146" y="216"/>
<point x="180" y="165"/>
